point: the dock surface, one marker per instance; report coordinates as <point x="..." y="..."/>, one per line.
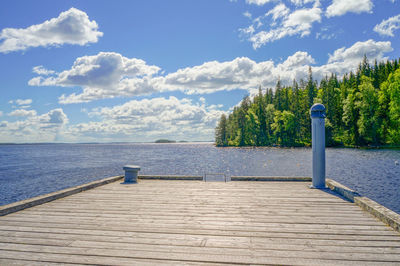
<point x="158" y="222"/>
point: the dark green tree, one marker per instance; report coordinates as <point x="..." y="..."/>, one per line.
<point x="221" y="134"/>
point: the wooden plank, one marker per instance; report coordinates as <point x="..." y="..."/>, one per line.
<point x="296" y="235"/>
<point x="173" y="219"/>
<point x="191" y="222"/>
<point x="234" y="247"/>
<point x="282" y="213"/>
<point x="253" y="257"/>
<point x="30" y="262"/>
<point x="191" y="240"/>
<point x="45" y="258"/>
<point x="20" y="205"/>
<point x="223" y="233"/>
<point x="226" y="228"/>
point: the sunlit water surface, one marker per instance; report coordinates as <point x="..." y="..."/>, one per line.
<point x="31" y="170"/>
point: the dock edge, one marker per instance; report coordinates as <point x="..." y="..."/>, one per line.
<point x="382" y="213"/>
<point x="23" y="204"/>
<point x="170" y="177"/>
<point x="272" y="178"/>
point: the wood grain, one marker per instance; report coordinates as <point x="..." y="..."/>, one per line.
<point x="160" y="222"/>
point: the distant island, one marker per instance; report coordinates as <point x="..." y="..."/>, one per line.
<point x="165" y="141"/>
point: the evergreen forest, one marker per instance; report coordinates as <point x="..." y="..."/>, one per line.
<point x="362" y="109"/>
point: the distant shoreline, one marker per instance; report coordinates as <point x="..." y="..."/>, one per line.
<point x="202" y="142"/>
<point x="90" y="143"/>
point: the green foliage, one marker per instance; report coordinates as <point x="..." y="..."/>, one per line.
<point x="368" y="105"/>
<point x="393" y="88"/>
<point x="362" y="109"/>
<point x="221" y="132"/>
<point x="284" y="128"/>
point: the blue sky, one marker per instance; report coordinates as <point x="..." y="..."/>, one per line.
<point x="101" y="71"/>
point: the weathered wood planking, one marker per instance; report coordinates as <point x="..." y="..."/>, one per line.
<point x="160" y="222"/>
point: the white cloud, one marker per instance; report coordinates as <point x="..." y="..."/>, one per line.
<point x="21" y="103"/>
<point x="239" y="73"/>
<point x="40" y="70"/>
<point x="283" y="24"/>
<point x="388" y="26"/>
<point x="53" y="119"/>
<point x="104" y="75"/>
<point x="344" y="60"/>
<point x="34" y="128"/>
<point x="217" y="76"/>
<point x="247" y="14"/>
<point x="149" y="119"/>
<point x="372" y="49"/>
<point x="302" y="2"/>
<point x="22" y="112"/>
<point x="326" y="33"/>
<point x="70" y="27"/>
<point x="258" y="2"/>
<point x="248" y="31"/>
<point x="279" y="11"/>
<point x="296" y="60"/>
<point x="303" y="18"/>
<point x="1" y="113"/>
<point x="138" y="120"/>
<point x="341" y="7"/>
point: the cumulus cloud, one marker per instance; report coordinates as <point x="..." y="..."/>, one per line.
<point x="104" y="75"/>
<point x="53" y="119"/>
<point x="32" y="127"/>
<point x="258" y="2"/>
<point x="388" y="26"/>
<point x="70" y="27"/>
<point x="149" y="119"/>
<point x="370" y="48"/>
<point x="215" y="76"/>
<point x="345" y="59"/>
<point x="279" y="11"/>
<point x="341" y="7"/>
<point x="119" y="80"/>
<point x="283" y="23"/>
<point x="303" y="19"/>
<point x="40" y="70"/>
<point x="302" y="2"/>
<point x="22" y="112"/>
<point x="21" y="103"/>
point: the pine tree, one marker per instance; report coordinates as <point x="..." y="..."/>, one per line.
<point x="368" y="122"/>
<point x="394" y="107"/>
<point x="310" y="88"/>
<point x="362" y="109"/>
<point x="221" y="132"/>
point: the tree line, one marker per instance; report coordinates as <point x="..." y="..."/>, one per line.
<point x="362" y="109"/>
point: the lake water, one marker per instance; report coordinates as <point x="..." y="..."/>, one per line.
<point x="31" y="170"/>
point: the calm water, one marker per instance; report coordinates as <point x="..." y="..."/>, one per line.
<point x="31" y="170"/>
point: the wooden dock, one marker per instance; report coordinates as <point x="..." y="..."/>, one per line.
<point x="164" y="222"/>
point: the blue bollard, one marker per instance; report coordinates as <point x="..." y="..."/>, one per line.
<point x="317" y="112"/>
<point x="131" y="173"/>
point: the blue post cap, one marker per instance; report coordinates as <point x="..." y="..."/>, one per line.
<point x="131" y="168"/>
<point x="318" y="111"/>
